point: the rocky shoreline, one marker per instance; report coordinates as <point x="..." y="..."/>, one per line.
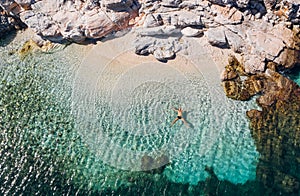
<point x="263" y="38"/>
<point x="258" y="31"/>
<point x="275" y="128"/>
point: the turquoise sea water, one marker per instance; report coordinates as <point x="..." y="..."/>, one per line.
<point x="295" y="74"/>
<point x="62" y="136"/>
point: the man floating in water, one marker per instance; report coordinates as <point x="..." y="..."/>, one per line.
<point x="179" y="117"/>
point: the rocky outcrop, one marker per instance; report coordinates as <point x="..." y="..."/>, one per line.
<point x="76" y="20"/>
<point x="237" y="88"/>
<point x="275" y="128"/>
<point x="259" y="42"/>
<point x="277" y="133"/>
<point x="245" y="26"/>
<point x="270" y="84"/>
<point x="261" y="31"/>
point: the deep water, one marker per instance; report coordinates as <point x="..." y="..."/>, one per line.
<point x="42" y="151"/>
<point x="294" y="74"/>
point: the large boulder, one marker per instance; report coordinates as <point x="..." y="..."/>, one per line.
<point x="162" y="47"/>
<point x="216" y="37"/>
<point x="181" y="19"/>
<point x="75" y="21"/>
<point x="226" y="15"/>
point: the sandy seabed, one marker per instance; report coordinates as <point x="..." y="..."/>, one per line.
<point x="122" y="103"/>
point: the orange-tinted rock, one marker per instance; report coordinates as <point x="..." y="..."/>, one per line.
<point x="266" y="99"/>
<point x="272" y="66"/>
<point x="288" y="58"/>
<point x="228" y="75"/>
<point x="275" y="129"/>
<point x="234" y="87"/>
<point x="254" y="114"/>
<point x="276" y="132"/>
<point x="254" y="84"/>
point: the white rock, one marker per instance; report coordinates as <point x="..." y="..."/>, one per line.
<point x="171" y="3"/>
<point x="161" y="30"/>
<point x="190" y="32"/>
<point x="181" y="19"/>
<point x="266" y="43"/>
<point x="151" y="21"/>
<point x="235" y="41"/>
<point x="163" y="54"/>
<point x="216" y="36"/>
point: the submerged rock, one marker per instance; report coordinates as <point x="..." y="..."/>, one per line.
<point x="272" y="84"/>
<point x="233" y="85"/>
<point x="28" y="47"/>
<point x="31" y="46"/>
<point x="148" y="163"/>
<point x="276" y="132"/>
<point x="275" y="128"/>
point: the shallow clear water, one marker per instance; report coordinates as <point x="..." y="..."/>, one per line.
<point x="124" y="113"/>
<point x="86" y="123"/>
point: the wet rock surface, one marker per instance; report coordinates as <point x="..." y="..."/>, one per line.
<point x="276" y="132"/>
<point x="275" y="128"/>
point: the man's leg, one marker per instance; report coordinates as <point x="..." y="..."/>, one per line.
<point x="174" y="121"/>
